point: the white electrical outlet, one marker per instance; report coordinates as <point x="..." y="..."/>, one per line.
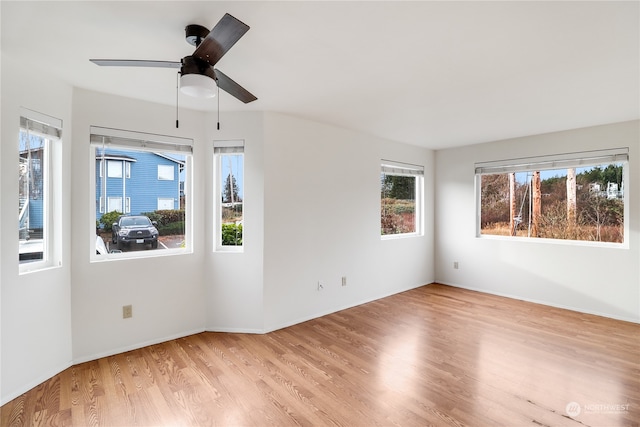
<point x="127" y="311"/>
<point x="455" y="265"/>
<point x="320" y="286"/>
<point x="344" y="280"/>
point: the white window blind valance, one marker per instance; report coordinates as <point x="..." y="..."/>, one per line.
<point x="40" y="124"/>
<point x="140" y="141"/>
<point x="399" y="168"/>
<point x="228" y="147"/>
<point x="559" y="161"/>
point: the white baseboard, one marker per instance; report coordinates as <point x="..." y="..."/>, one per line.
<point x="286" y="324"/>
<point x="136" y="346"/>
<point x="34" y="383"/>
<point x="547" y="303"/>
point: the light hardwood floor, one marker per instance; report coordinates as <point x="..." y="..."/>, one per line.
<point x="436" y="355"/>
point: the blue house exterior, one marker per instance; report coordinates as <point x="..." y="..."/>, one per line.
<point x="133" y="182"/>
<point x="30" y="185"/>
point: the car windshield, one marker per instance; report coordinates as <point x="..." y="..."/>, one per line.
<point x="135" y="221"/>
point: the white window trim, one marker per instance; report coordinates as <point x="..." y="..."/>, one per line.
<point x="107" y="138"/>
<point x="552" y="162"/>
<point x="221" y="148"/>
<point x="407" y="169"/>
<point x="51" y="129"/>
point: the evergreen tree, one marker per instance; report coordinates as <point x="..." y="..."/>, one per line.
<point x="399" y="187"/>
<point x="230" y="191"/>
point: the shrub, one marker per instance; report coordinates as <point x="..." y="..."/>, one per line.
<point x="174" y="228"/>
<point x="153" y="216"/>
<point x="165" y="216"/>
<point x="108" y="219"/>
<point x="232" y="234"/>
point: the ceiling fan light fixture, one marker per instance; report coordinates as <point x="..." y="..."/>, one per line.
<point x="198" y="85"/>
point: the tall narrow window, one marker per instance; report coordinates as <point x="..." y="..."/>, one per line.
<point x="400" y="199"/>
<point x="577" y="196"/>
<point x="141" y="193"/>
<point x="39" y="139"/>
<point x="229" y="187"/>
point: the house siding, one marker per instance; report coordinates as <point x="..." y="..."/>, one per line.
<point x="143" y="186"/>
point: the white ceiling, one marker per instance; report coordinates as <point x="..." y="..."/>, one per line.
<point x="436" y="74"/>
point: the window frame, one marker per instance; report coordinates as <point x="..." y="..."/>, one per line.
<point x="50" y="130"/>
<point x="114" y="168"/>
<point x="164" y="175"/>
<point x="395" y="168"/>
<point x="221" y="149"/>
<point x="106" y="138"/>
<point x="553" y="162"/>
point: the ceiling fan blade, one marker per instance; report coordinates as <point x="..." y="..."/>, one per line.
<point x="220" y="39"/>
<point x="135" y="63"/>
<point x="231" y="87"/>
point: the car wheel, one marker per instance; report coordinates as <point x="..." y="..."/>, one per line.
<point x="120" y="245"/>
<point x="154" y="244"/>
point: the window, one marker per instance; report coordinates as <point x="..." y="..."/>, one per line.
<point x="400" y="199"/>
<point x="165" y="172"/>
<point x="38" y="175"/>
<point x="578" y="196"/>
<point x="114" y="168"/>
<point x="229" y="188"/>
<point x="115" y="204"/>
<point x="144" y="216"/>
<point x="165" y="203"/>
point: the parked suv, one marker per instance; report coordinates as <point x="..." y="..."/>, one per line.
<point x="135" y="229"/>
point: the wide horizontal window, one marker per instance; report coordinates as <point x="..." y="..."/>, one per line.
<point x="578" y="196"/>
<point x="142" y="199"/>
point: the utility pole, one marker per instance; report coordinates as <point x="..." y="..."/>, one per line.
<point x="571" y="200"/>
<point x="537" y="204"/>
<point x="512" y="203"/>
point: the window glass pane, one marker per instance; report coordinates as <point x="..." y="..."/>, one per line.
<point x="114" y="168"/>
<point x="165" y="203"/>
<point x="582" y="203"/>
<point x="398" y="209"/>
<point x="115" y="204"/>
<point x="142" y="213"/>
<point x="231" y="196"/>
<point x="32" y="196"/>
<point x="166" y="172"/>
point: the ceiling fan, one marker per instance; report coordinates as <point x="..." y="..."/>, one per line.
<point x="197" y="76"/>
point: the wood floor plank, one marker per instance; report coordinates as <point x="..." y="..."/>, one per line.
<point x="432" y="356"/>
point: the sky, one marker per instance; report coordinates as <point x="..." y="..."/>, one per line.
<point x="235" y="164"/>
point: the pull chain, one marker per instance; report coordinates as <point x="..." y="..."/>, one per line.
<point x="177" y="97"/>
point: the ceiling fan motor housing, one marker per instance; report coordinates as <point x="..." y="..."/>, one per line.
<point x="193" y="65"/>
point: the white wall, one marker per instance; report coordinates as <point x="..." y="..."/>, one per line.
<point x="597" y="280"/>
<point x="234" y="281"/>
<point x="322" y="221"/>
<point x="35" y="311"/>
<point x="167" y="292"/>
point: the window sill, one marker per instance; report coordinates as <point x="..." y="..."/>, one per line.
<point x="541" y="240"/>
<point x="400" y="236"/>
